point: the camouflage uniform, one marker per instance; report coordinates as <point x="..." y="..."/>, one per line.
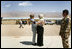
<point x="65" y="31"/>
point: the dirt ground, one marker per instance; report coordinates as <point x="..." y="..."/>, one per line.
<point x="14" y="30"/>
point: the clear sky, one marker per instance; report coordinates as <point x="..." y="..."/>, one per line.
<point x="35" y="6"/>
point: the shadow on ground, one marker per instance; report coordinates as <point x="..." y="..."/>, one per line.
<point x="26" y="42"/>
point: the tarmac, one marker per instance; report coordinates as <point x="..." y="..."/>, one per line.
<point x="26" y="41"/>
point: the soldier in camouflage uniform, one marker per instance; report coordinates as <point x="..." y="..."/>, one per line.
<point x="65" y="29"/>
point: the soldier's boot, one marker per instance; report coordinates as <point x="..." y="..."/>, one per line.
<point x="65" y="43"/>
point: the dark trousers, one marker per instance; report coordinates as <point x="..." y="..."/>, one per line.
<point x="40" y="31"/>
<point x="21" y="26"/>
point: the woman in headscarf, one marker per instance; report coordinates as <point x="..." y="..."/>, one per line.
<point x="40" y="30"/>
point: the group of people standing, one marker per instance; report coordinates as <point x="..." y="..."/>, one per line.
<point x="37" y="28"/>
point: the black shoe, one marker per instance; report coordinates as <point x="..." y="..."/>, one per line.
<point x="34" y="44"/>
<point x="39" y="45"/>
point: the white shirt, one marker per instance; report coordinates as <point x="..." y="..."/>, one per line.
<point x="41" y="21"/>
<point x="20" y="21"/>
